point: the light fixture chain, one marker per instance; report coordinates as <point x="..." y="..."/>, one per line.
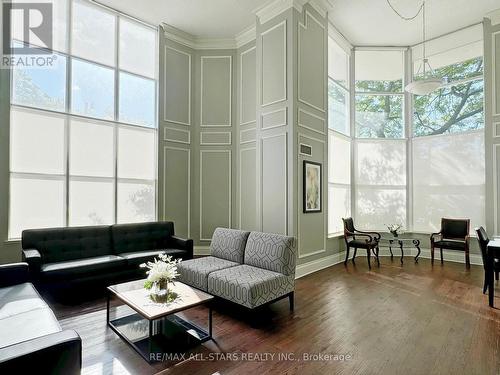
<point x="403" y="17"/>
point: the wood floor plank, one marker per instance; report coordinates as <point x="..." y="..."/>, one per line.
<point x="409" y="319"/>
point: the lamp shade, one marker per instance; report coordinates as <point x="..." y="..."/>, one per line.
<point x="424" y="86"/>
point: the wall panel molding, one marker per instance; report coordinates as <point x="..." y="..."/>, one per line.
<point x="243" y="90"/>
<point x="271" y="203"/>
<point x="303" y="28"/>
<point x="182" y="136"/>
<point x="269" y="75"/>
<point x="495" y="38"/>
<point x="274" y="119"/>
<point x="210" y="138"/>
<point x="165" y="86"/>
<point x="325" y="193"/>
<point x="216" y="95"/>
<point x="203" y="178"/>
<point x="164" y="192"/>
<point x="303" y="122"/>
<point x="240" y="174"/>
<point x="251" y="137"/>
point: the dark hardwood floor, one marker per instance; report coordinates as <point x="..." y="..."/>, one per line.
<point x="410" y="319"/>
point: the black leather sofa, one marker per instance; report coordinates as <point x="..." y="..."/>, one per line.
<point x="62" y="257"/>
<point x="31" y="339"/>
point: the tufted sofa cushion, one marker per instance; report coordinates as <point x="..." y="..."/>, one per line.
<point x="273" y="252"/>
<point x="63" y="244"/>
<point x="141" y="236"/>
<point x="229" y="244"/>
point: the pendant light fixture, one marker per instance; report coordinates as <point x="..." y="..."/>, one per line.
<point x="428" y="83"/>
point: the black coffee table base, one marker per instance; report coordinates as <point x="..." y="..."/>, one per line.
<point x="400" y="243"/>
<point x="159" y="339"/>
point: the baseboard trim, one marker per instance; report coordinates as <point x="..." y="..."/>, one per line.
<point x="331" y="260"/>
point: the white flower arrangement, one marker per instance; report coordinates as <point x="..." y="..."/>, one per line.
<point x="395" y="229"/>
<point x="161" y="272"/>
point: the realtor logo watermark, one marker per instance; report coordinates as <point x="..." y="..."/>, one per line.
<point x="27" y="35"/>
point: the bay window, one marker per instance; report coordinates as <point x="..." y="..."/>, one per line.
<point x="83" y="132"/>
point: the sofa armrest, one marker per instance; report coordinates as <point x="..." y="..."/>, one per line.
<point x="182" y="244"/>
<point x="56" y="353"/>
<point x="13" y="273"/>
<point x="34" y="260"/>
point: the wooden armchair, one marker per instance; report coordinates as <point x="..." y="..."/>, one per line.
<point x="454" y="235"/>
<point x="360" y="239"/>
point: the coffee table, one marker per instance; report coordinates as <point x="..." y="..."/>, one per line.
<point x="155" y="330"/>
<point x="391" y="241"/>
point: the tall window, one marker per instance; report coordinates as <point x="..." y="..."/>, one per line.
<point x="380" y="147"/>
<point x="83" y="133"/>
<point x="339" y="141"/>
<point x="448" y="148"/>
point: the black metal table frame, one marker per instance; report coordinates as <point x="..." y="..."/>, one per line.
<point x="400" y="242"/>
<point x="181" y="322"/>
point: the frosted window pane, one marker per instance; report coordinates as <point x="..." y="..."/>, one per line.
<point x="448" y="180"/>
<point x="37" y="142"/>
<point x="91" y="202"/>
<point x="381" y="163"/>
<point x="92" y="90"/>
<point x="339" y="206"/>
<point x="379" y="71"/>
<point x="91" y="149"/>
<point x="136" y="202"/>
<point x="137" y="48"/>
<point x="136" y="153"/>
<point x="338" y="63"/>
<point x="339" y="162"/>
<point x="378" y="207"/>
<point x="41" y="87"/>
<point x="35" y="203"/>
<point x="338" y="108"/>
<point x="59" y="24"/>
<point x="93" y="34"/>
<point x="137" y="100"/>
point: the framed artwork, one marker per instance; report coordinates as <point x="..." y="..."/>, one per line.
<point x="311" y="190"/>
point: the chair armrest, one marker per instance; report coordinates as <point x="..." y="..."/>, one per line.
<point x="13" y="273"/>
<point x="56" y="353"/>
<point x="182" y="244"/>
<point x="34" y="260"/>
<point x="360" y="234"/>
<point x="374" y="234"/>
<point x="435" y="235"/>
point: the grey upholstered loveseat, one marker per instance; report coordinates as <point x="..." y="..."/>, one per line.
<point x="248" y="268"/>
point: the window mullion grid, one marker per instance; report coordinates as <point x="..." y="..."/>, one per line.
<point x="408" y="106"/>
<point x="117" y="111"/>
<point x="67" y="126"/>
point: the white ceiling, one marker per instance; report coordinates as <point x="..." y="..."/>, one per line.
<point x="362" y="22"/>
<point x="200" y="18"/>
<point x="372" y="22"/>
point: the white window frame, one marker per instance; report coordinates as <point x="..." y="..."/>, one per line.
<point x="114" y="122"/>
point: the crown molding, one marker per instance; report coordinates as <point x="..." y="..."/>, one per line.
<point x="264" y="14"/>
<point x="322" y="6"/>
<point x="193" y="42"/>
<point x="275" y="7"/>
<point x="245" y="36"/>
<point x="494" y="17"/>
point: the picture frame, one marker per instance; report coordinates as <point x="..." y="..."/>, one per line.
<point x="312" y="193"/>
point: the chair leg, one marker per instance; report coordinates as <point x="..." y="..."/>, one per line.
<point x="485" y="285"/>
<point x="376" y="255"/>
<point x="354" y="255"/>
<point x="432" y="254"/>
<point x="467" y="258"/>
<point x="346" y="255"/>
<point x="368" y="255"/>
<point x="441" y="251"/>
<point x="496" y="275"/>
<point x="291" y="300"/>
